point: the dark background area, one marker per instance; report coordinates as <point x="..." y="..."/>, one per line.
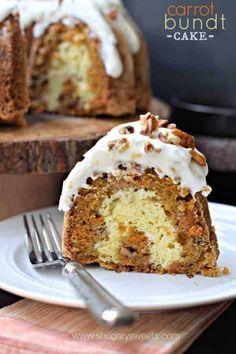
<point x="187" y="66"/>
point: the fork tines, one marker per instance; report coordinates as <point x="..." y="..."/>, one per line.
<point x="42" y="240"/>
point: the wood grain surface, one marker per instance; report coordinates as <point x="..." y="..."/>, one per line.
<point x="30" y="327"/>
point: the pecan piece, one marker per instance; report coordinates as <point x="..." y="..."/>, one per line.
<point x="126" y="130"/>
<point x="173" y="139"/>
<point x="197" y="157"/>
<point x="148" y="147"/>
<point x="149" y="123"/>
<point x="187" y="140"/>
<point x="111" y="144"/>
<point x="124" y="145"/>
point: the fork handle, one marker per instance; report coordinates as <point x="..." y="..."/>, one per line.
<point x="101" y="304"/>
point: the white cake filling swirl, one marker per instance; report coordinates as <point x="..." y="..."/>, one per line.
<point x="169" y="160"/>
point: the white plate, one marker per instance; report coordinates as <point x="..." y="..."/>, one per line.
<point x="137" y="290"/>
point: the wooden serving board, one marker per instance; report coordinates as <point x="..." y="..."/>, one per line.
<point x="30" y="327"/>
<point x="54" y="143"/>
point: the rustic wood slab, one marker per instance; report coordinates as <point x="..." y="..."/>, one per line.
<point x="54" y="143"/>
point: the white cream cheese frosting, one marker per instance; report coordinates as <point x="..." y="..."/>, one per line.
<point x="93" y="13"/>
<point x="32" y="11"/>
<point x="122" y="22"/>
<point x="7" y="8"/>
<point x="169" y="160"/>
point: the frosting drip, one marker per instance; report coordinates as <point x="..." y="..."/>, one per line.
<point x="169" y="160"/>
<point x="93" y="13"/>
<point x="122" y="22"/>
<point x="7" y="8"/>
<point x="32" y="11"/>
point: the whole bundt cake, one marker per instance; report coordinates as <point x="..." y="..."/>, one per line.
<point x="89" y="58"/>
<point x="85" y="58"/>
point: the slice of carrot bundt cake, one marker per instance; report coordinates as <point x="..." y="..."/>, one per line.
<point x="138" y="202"/>
<point x="13" y="66"/>
<point x="88" y="58"/>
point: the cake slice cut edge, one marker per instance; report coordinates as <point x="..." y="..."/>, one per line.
<point x="137" y="213"/>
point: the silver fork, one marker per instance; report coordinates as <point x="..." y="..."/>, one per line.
<point x="44" y="248"/>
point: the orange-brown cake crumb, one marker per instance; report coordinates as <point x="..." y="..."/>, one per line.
<point x="106" y="227"/>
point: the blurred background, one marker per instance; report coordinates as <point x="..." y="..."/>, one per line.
<point x="201" y="76"/>
<point x="187" y="66"/>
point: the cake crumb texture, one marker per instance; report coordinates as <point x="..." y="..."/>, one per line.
<point x="141" y="223"/>
<point x="13" y="72"/>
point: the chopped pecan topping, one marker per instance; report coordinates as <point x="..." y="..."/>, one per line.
<point x="111" y="144"/>
<point x="187" y="140"/>
<point x="197" y="157"/>
<point x="173" y="139"/>
<point x="127" y="130"/>
<point x="148" y="147"/>
<point x="124" y="145"/>
<point x="149" y="123"/>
